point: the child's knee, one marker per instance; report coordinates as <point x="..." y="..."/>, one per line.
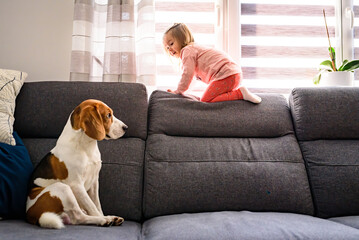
<point x="206" y="99"/>
<point x="207" y="96"/>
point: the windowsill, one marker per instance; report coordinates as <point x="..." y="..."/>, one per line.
<point x="271" y="90"/>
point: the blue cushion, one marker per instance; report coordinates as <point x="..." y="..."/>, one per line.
<point x="15" y="171"/>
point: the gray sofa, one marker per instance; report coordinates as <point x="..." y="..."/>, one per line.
<point x="192" y="170"/>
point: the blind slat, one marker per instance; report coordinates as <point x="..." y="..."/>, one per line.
<point x="286" y="10"/>
<point x="281" y="52"/>
<point x="278" y="73"/>
<point x="185" y="6"/>
<point x="285" y="31"/>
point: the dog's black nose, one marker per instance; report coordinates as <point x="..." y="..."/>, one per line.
<point x="124" y="127"/>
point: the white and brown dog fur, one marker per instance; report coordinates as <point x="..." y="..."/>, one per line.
<point x="64" y="187"/>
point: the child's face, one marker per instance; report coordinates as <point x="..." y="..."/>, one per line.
<point x="172" y="45"/>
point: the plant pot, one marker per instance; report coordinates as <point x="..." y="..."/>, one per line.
<point x="338" y="78"/>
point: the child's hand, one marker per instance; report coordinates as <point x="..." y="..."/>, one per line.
<point x="171" y="91"/>
<point x="193" y="97"/>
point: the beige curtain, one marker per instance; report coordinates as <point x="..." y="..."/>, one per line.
<point x="114" y="41"/>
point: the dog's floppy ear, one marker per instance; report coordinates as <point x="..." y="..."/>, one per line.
<point x="89" y="119"/>
<point x="92" y="123"/>
<point x="75" y="118"/>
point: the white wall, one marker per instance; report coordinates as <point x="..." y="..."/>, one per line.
<point x="35" y="37"/>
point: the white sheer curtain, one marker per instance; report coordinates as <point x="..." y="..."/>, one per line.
<point x="114" y="41"/>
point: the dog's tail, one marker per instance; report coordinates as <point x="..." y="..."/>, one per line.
<point x="51" y="220"/>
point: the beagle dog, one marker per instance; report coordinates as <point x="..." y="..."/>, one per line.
<point x="64" y="187"/>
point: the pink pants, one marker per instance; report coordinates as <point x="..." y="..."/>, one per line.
<point x="223" y="90"/>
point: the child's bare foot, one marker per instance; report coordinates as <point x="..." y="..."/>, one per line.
<point x="248" y="96"/>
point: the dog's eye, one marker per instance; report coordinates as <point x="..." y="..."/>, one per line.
<point x="108" y="115"/>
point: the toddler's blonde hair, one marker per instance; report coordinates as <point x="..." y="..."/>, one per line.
<point x="181" y="33"/>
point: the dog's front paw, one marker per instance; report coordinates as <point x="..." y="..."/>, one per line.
<point x="113" y="221"/>
<point x="118" y="221"/>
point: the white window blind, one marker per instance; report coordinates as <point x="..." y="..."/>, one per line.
<point x="283" y="42"/>
<point x="199" y="16"/>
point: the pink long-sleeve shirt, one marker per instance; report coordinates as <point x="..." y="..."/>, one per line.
<point x="207" y="64"/>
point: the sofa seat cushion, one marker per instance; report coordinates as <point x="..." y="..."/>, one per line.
<point x="245" y="225"/>
<point x="18" y="229"/>
<point x="352" y="221"/>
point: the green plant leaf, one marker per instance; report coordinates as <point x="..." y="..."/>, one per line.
<point x="317" y="77"/>
<point x="332" y="56"/>
<point x="341" y="67"/>
<point x="327" y="64"/>
<point x="332" y="50"/>
<point x="350" y="66"/>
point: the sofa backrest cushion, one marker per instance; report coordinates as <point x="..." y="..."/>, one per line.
<point x="325" y="113"/>
<point x="42" y="110"/>
<point x="251" y="164"/>
<point x="327" y="125"/>
<point x="176" y="116"/>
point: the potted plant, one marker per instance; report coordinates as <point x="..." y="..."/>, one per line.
<point x="333" y="76"/>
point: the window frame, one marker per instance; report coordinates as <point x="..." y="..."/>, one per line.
<point x="227" y="27"/>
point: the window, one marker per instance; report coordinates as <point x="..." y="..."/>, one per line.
<point x="278" y="43"/>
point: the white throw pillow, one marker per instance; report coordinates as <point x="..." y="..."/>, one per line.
<point x="11" y="82"/>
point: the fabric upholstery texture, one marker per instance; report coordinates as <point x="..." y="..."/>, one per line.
<point x="325" y="113"/>
<point x="11" y="82"/>
<point x="174" y="115"/>
<point x="333" y="169"/>
<point x="232" y="170"/>
<point x="352" y="221"/>
<point x="127" y="231"/>
<point x="15" y="170"/>
<point x="128" y="102"/>
<point x="194" y="174"/>
<point x="245" y="226"/>
<point x="327" y="127"/>
<point x="41" y="119"/>
<point x="120" y="175"/>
